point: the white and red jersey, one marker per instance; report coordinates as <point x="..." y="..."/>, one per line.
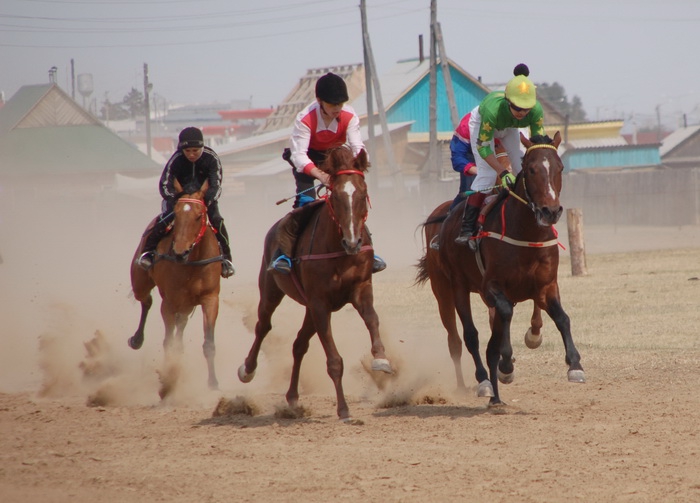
<point x="311" y="133"/>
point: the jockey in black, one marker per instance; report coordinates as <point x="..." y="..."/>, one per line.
<point x="192" y="164"/>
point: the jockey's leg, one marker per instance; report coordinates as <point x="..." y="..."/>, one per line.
<point x="147" y="258"/>
<point x="217" y="222"/>
<point x="469" y="217"/>
<point x="286" y="235"/>
<point x="378" y="265"/>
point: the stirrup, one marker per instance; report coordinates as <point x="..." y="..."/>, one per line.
<point x="464" y="238"/>
<point x="227" y="269"/>
<point x="145" y="261"/>
<point x="281" y="264"/>
<point x="378" y="265"/>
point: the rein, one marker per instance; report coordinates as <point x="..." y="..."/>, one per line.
<point x="200" y="235"/>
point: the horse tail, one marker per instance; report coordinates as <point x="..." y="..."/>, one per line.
<point x="422" y="275"/>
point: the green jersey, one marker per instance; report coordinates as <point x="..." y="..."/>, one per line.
<point x="496" y="116"/>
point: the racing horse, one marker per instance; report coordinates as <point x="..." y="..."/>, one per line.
<point x="517" y="259"/>
<point x="332" y="266"/>
<point x="187" y="272"/>
<point x="440" y="284"/>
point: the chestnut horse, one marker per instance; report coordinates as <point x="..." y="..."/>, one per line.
<point x="517" y="260"/>
<point x="440" y="284"/>
<point x="332" y="266"/>
<point x="187" y="272"/>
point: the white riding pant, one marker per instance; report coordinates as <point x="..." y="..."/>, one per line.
<point x="510" y="139"/>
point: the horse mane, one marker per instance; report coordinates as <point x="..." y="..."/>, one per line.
<point x="340" y="158"/>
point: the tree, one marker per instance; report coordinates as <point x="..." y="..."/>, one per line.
<point x="134" y="103"/>
<point x="556" y="96"/>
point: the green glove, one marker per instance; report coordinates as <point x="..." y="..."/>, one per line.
<point x="507" y="179"/>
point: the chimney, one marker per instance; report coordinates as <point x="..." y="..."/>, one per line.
<point x="421" y="57"/>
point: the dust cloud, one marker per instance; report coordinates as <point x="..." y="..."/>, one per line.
<point x="66" y="307"/>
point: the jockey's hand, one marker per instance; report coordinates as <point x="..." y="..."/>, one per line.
<point x="322" y="176"/>
<point x="507" y="179"/>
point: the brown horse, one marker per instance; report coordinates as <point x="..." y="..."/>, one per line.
<point x="517" y="260"/>
<point x="332" y="267"/>
<point x="187" y="272"/>
<point x="442" y="290"/>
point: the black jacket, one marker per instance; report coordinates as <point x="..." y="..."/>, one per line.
<point x="207" y="167"/>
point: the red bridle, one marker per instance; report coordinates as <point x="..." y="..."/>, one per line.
<point x="203" y="227"/>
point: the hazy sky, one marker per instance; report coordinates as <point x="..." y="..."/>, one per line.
<point x="620" y="57"/>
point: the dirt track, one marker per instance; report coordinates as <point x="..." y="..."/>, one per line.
<point x="84" y="423"/>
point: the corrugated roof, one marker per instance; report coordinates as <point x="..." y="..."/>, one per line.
<point x="20" y="105"/>
<point x="676" y="138"/>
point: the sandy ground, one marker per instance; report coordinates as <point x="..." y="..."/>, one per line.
<point x="81" y="419"/>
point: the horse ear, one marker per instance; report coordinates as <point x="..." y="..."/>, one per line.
<point x="557" y="139"/>
<point x="523" y="139"/>
<point x="361" y="162"/>
<point x="177" y="185"/>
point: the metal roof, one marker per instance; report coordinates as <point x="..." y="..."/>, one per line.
<point x="676" y="138"/>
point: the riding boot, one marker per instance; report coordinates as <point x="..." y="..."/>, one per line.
<point x="147" y="257"/>
<point x="378" y="264"/>
<point x="285" y="235"/>
<point x="469" y="217"/>
<point x="227" y="269"/>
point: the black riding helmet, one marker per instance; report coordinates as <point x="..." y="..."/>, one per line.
<point x="190" y="137"/>
<point x="331" y="88"/>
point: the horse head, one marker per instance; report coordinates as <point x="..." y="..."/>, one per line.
<point x="541" y="177"/>
<point x="190" y="220"/>
<point x="348" y="199"/>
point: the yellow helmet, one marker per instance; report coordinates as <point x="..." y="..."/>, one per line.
<point x="520" y="91"/>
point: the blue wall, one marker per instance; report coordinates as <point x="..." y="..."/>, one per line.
<point x="640" y="155"/>
<point x="415" y="104"/>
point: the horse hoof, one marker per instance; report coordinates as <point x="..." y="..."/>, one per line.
<point x="135" y="343"/>
<point x="505" y="378"/>
<point x="243" y="375"/>
<point x="576" y="376"/>
<point x="485" y="389"/>
<point x="532" y="341"/>
<point x="382" y="364"/>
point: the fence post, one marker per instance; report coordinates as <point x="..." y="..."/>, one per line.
<point x="574" y="224"/>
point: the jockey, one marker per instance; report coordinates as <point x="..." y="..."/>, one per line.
<point x="325" y="124"/>
<point x="192" y="162"/>
<point x="499" y="116"/>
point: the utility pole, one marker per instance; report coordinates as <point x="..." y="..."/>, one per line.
<point x="368" y="87"/>
<point x="447" y="76"/>
<point x="147" y="86"/>
<point x="397" y="179"/>
<point x="432" y="145"/>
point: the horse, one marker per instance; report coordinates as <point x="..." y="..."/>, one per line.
<point x="332" y="266"/>
<point x="517" y="259"/>
<point x="440" y="284"/>
<point x="187" y="272"/>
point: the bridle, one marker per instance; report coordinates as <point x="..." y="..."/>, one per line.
<point x="203" y="218"/>
<point x="529" y="203"/>
<point x="331" y="211"/>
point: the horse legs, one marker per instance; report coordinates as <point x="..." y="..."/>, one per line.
<point x="270" y="298"/>
<point x="446" y="307"/>
<point x="533" y="337"/>
<point x="471" y="341"/>
<point x="364" y="304"/>
<point x="334" y="362"/>
<point x="210" y="310"/>
<point x="499" y="352"/>
<point x="301" y="346"/>
<point x="563" y="323"/>
<point x="136" y="341"/>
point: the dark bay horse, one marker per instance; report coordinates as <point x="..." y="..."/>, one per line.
<point x="517" y="260"/>
<point x="332" y="267"/>
<point x="442" y="290"/>
<point x="187" y="272"/>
